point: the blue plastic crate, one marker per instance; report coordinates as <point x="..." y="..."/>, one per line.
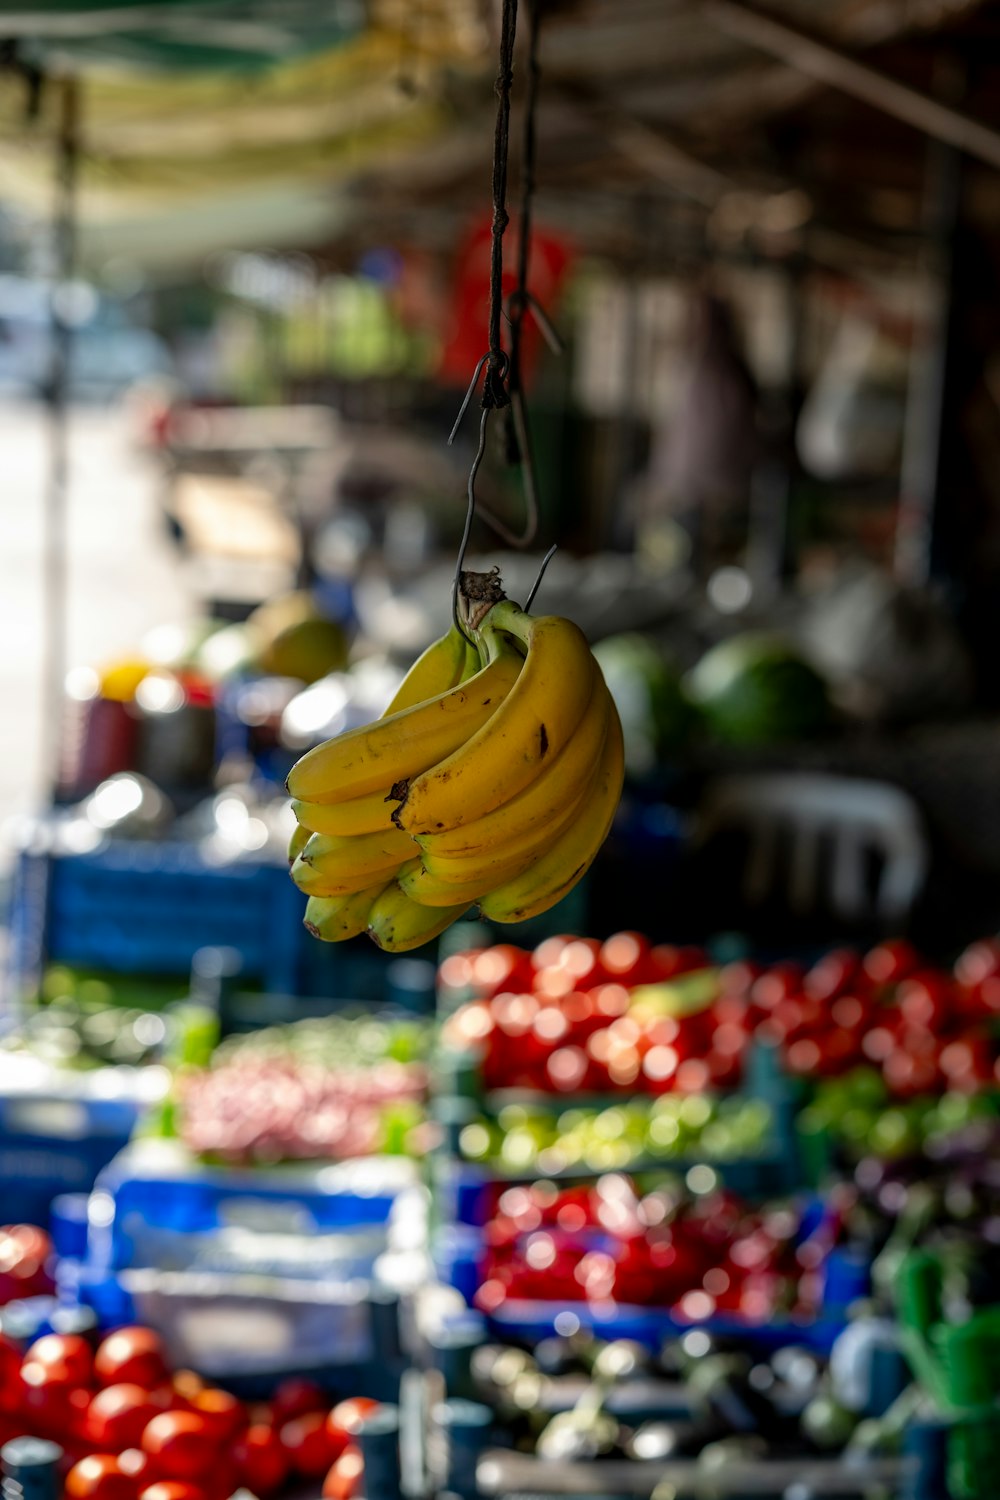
<point x="52" y="1144"/>
<point x="147" y="908"/>
<point x="155" y="1190"/>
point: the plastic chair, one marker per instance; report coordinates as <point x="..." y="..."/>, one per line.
<point x="849" y="819"/>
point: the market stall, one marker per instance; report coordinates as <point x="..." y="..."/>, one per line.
<point x="500" y="1000"/>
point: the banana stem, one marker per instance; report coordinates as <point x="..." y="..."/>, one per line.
<point x="478" y="593"/>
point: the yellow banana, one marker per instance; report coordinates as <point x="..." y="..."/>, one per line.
<point x="440" y="667"/>
<point x="510" y="855"/>
<point x="368" y="814"/>
<point x="334" y="918"/>
<point x="556" y="787"/>
<point x="549" y="878"/>
<point x="404" y="744"/>
<point x="430" y="890"/>
<point x="397" y="924"/>
<point x="535" y="720"/>
<point x="297" y="842"/>
<point x="342" y="881"/>
<point x="447" y="662"/>
<point x="364" y="851"/>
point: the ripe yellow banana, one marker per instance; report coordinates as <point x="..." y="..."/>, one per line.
<point x="510" y="855"/>
<point x="365" y="851"/>
<point x="297" y="842"/>
<point x="369" y="814"/>
<point x="407" y="742"/>
<point x="547" y="880"/>
<point x="555" y="787"/>
<point x="332" y="919"/>
<point x="339" y="882"/>
<point x="536" y="719"/>
<point x="430" y="890"/>
<point x="442" y="666"/>
<point x="397" y="924"/>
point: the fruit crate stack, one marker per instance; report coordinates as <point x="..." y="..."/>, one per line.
<point x="587" y="1093"/>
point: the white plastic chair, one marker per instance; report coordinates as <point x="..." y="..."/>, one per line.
<point x="853" y="817"/>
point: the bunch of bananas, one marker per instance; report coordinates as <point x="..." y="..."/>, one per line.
<point x="491" y="779"/>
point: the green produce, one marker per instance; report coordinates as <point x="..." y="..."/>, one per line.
<point x="657" y="718"/>
<point x="755" y="689"/>
<point x="524" y="1139"/>
<point x="293" y="639"/>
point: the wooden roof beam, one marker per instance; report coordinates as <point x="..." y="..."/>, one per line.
<point x="829" y="64"/>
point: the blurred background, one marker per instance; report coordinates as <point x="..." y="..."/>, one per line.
<point x="771" y="421"/>
<point x="244" y="280"/>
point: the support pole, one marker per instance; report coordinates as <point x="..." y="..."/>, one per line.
<point x="55" y="586"/>
<point x="830" y="64"/>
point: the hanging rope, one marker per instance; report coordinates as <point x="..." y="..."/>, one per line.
<point x="502" y="381"/>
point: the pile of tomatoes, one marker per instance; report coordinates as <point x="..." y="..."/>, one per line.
<point x="574" y="1017"/>
<point x="697" y="1255"/>
<point x="132" y="1430"/>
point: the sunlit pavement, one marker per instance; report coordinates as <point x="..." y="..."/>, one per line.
<point x="123" y="575"/>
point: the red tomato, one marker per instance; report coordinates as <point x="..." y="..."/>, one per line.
<point x="132" y="1356"/>
<point x="891" y="961"/>
<point x="625" y="957"/>
<point x="138" y="1466"/>
<point x="345" y="1479"/>
<point x="98" y="1477"/>
<point x="295" y="1396"/>
<point x="307" y="1444"/>
<point x="925" y="999"/>
<point x="832" y="975"/>
<point x="181" y="1444"/>
<point x="10" y="1365"/>
<point x="118" y="1416"/>
<point x="502" y="967"/>
<point x="779" y="982"/>
<point x="24" y="1253"/>
<point x="260" y="1459"/>
<point x="223" y="1411"/>
<point x="186" y="1386"/>
<point x="222" y="1480"/>
<point x="51" y="1406"/>
<point x="67" y="1351"/>
<point x="347" y="1416"/>
<point x="979" y="961"/>
<point x="172" y="1489"/>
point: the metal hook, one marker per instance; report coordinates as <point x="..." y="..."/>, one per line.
<point x="468" y="397"/>
<point x="541" y="574"/>
<point x="470" y="513"/>
<point x="502" y="530"/>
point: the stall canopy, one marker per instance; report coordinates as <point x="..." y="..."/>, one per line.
<point x="289" y="121"/>
<point x="211" y="123"/>
<point x="179" y="34"/>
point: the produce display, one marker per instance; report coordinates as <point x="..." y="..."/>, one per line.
<point x="580" y="1016"/>
<point x="755" y="689"/>
<point x="336" y="1087"/>
<point x="493" y="778"/>
<point x="130" y="1428"/>
<point x="576" y="1399"/>
<point x="532" y="1139"/>
<point x="83" y="1020"/>
<point x="667" y="1247"/>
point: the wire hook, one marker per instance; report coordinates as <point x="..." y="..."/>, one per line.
<point x="540" y="575"/>
<point x="470" y="513"/>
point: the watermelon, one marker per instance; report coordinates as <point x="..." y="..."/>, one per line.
<point x="755" y="689"/>
<point x="656" y="717"/>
